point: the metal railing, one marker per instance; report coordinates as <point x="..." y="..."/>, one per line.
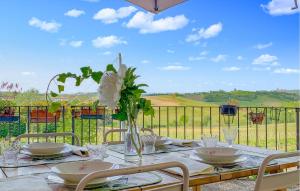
<point x="279" y="128"/>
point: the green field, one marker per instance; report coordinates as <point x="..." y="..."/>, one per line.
<point x="189" y="116"/>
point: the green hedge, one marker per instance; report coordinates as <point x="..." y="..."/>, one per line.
<point x="15" y="129"/>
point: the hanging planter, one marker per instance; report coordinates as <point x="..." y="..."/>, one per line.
<point x="8" y="115"/>
<point x="257" y="118"/>
<point x="229" y="110"/>
<point x="44" y="116"/>
<point x="88" y="113"/>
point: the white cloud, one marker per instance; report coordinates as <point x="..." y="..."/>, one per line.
<point x="145" y="61"/>
<point x="210" y="32"/>
<point x="219" y="58"/>
<point x="107" y="41"/>
<point x="196" y="58"/>
<point x="170" y="51"/>
<point x="287" y="71"/>
<point x="266" y="59"/>
<point x="203" y="53"/>
<point x="106" y="53"/>
<point x="231" y="69"/>
<point x="240" y="58"/>
<point x="76" y="44"/>
<point x="109" y="15"/>
<point x="261" y="68"/>
<point x="146" y="24"/>
<point x="263" y="46"/>
<point x="26" y="73"/>
<point x="280" y="7"/>
<point x="44" y="25"/>
<point x="74" y="13"/>
<point x="175" y="68"/>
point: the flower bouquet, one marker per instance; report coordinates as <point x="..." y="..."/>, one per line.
<point x="119" y="89"/>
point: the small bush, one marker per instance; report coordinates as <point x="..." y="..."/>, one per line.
<point x="14" y="129"/>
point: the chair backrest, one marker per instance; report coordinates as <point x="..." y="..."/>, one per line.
<point x="46" y="136"/>
<point x="280" y="180"/>
<point x="140" y="169"/>
<point x="121" y="131"/>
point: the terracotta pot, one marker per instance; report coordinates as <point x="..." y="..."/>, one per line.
<point x="43" y="116"/>
<point x="87" y="111"/>
<point x="256" y="118"/>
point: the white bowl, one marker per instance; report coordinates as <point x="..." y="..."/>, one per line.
<point x="75" y="171"/>
<point x="45" y="148"/>
<point x="218" y="154"/>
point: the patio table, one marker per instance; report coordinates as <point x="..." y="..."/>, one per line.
<point x="224" y="174"/>
<point x="44" y="170"/>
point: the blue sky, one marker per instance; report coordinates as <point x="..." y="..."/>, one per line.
<point x="200" y="45"/>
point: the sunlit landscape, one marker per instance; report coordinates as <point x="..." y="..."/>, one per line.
<point x="208" y="73"/>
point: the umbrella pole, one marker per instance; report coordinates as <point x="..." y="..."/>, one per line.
<point x="155" y="5"/>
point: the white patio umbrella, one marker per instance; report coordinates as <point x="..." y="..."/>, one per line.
<point x="156" y="6"/>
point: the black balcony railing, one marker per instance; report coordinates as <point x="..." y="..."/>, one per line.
<point x="269" y="127"/>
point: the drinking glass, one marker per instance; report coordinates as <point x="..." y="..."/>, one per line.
<point x="98" y="151"/>
<point x="230" y="135"/>
<point x="10" y="156"/>
<point x="210" y="140"/>
<point x="149" y="143"/>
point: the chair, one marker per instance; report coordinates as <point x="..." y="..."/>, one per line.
<point x="140" y="169"/>
<point x="121" y="131"/>
<point x="48" y="135"/>
<point x="279" y="180"/>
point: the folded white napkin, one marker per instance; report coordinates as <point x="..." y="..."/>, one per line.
<point x="29" y="183"/>
<point x="186" y="143"/>
<point x="195" y="167"/>
<point x="80" y="151"/>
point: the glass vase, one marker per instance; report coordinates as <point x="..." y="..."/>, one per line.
<point x="132" y="145"/>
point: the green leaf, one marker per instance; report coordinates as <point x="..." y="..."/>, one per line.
<point x="97" y="76"/>
<point x="53" y="94"/>
<point x="61" y="88"/>
<point x="121" y="116"/>
<point x="78" y="81"/>
<point x="95" y="105"/>
<point x="54" y="106"/>
<point x="62" y="78"/>
<point x="111" y="68"/>
<point x="142" y="85"/>
<point x="86" y="71"/>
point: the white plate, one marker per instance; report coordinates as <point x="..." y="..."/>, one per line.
<point x="75" y="171"/>
<point x="44" y="148"/>
<point x="95" y="183"/>
<point x="218" y="154"/>
<point x="66" y="150"/>
<point x="220" y="163"/>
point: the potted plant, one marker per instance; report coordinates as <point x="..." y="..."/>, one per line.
<point x="44" y="116"/>
<point x="90" y="113"/>
<point x="7" y="111"/>
<point x="229" y="109"/>
<point x="256" y="117"/>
